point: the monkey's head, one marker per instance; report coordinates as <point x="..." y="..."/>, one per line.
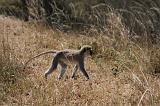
<point x="86" y="49"/>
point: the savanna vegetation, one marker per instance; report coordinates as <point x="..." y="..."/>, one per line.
<point x="125" y="66"/>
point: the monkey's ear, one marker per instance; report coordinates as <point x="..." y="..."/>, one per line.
<point x="94" y="48"/>
<point x="79" y="47"/>
<point x="91" y="52"/>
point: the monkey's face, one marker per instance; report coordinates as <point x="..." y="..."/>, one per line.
<point x="89" y="51"/>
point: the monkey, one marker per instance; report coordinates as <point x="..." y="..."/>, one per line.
<point x="63" y="57"/>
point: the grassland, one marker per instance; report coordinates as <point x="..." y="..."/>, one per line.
<point x="122" y="71"/>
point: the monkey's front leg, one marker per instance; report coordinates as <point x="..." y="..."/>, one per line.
<point x="82" y="69"/>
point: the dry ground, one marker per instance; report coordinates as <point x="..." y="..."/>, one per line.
<point x="131" y="86"/>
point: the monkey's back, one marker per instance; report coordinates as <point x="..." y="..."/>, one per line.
<point x="69" y="56"/>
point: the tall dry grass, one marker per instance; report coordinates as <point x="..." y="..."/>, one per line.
<point x="140" y="17"/>
<point x="10" y="67"/>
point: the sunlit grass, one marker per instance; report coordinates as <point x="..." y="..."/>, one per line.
<point x="119" y="69"/>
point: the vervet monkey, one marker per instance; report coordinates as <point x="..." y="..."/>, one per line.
<point x="66" y="56"/>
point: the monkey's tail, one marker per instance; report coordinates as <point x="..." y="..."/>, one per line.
<point x="43" y="53"/>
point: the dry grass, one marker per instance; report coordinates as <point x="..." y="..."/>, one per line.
<point x="138" y="16"/>
<point x="118" y="70"/>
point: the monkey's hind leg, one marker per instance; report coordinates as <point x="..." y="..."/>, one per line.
<point x="63" y="69"/>
<point x="52" y="67"/>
